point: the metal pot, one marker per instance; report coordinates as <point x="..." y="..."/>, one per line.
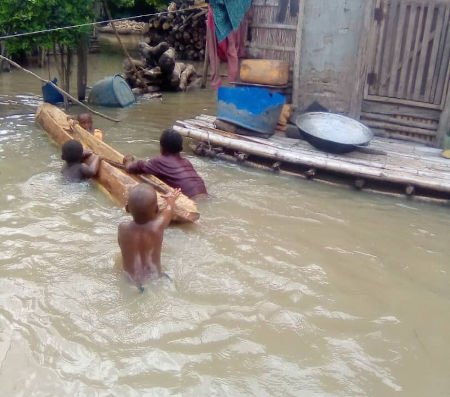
<point x="333" y="133"/>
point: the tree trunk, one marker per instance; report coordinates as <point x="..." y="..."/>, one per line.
<point x="4" y="66"/>
<point x="82" y="56"/>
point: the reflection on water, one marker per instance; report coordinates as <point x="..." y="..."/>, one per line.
<point x="286" y="287"/>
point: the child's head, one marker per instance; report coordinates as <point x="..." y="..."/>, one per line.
<point x="171" y="142"/>
<point x="85" y="120"/>
<point x="72" y="151"/>
<point x="142" y="203"/>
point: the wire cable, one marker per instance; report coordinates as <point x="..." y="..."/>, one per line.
<point x="92" y="23"/>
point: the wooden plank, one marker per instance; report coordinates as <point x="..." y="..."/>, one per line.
<point x="297" y="55"/>
<point x="410" y="57"/>
<point x="420" y="77"/>
<point x="398" y="121"/>
<point x="441" y="63"/>
<point x="444" y="72"/>
<point x="400" y="128"/>
<point x="444" y="122"/>
<point x="265" y="3"/>
<point x="373" y="44"/>
<point x="393" y="109"/>
<point x="406" y="102"/>
<point x="271" y="47"/>
<point x="397" y="136"/>
<point x="387" y="49"/>
<point x="400" y="31"/>
<point x="273" y="26"/>
<point x="431" y="70"/>
<point x="374" y="89"/>
<point x="414" y="56"/>
<point x="409" y="36"/>
<point x="365" y="48"/>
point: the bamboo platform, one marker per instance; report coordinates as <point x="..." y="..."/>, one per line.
<point x="387" y="166"/>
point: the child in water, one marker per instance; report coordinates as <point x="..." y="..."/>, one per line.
<point x="140" y="240"/>
<point x="85" y="121"/>
<point x="170" y="167"/>
<point x="75" y="170"/>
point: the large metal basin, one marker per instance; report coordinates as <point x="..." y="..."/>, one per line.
<point x="333" y="132"/>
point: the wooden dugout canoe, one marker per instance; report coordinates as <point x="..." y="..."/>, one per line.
<point x="116" y="182"/>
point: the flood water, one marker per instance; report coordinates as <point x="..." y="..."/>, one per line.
<point x="285" y="288"/>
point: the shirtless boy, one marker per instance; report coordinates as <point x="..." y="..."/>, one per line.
<point x="140" y="240"/>
<point x="75" y="170"/>
<point x="170" y="167"/>
<point x="85" y="121"/>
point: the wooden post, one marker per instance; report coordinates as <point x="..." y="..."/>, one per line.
<point x="205" y="67"/>
<point x="82" y="55"/>
<point x="108" y="13"/>
<point x="4" y="66"/>
<point x="444" y="122"/>
<point x="366" y="43"/>
<point x="297" y="55"/>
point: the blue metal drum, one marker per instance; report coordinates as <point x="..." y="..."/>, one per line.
<point x="112" y="91"/>
<point x="51" y="94"/>
<point x="254" y="108"/>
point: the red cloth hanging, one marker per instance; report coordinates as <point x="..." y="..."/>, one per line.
<point x="229" y="50"/>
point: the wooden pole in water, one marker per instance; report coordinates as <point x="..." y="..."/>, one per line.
<point x="205" y="63"/>
<point x="297" y="55"/>
<point x="113" y="25"/>
<point x="66" y="94"/>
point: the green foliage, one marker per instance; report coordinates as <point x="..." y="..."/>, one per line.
<point x="19" y="16"/>
<point x="157" y="3"/>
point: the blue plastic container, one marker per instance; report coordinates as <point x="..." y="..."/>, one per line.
<point x="51" y="94"/>
<point x="254" y="108"/>
<point x="112" y="91"/>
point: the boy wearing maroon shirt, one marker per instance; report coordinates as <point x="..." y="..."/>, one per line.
<point x="170" y="167"/>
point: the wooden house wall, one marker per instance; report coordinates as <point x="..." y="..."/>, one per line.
<point x="337" y="53"/>
<point x="270" y="39"/>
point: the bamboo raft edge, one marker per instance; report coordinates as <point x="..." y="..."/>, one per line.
<point x="408" y="170"/>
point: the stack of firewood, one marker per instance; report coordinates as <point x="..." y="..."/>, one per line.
<point x="125" y="27"/>
<point x="183" y="27"/>
<point x="157" y="70"/>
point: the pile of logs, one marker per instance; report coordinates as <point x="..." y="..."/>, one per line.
<point x="157" y="70"/>
<point x="183" y="27"/>
<point x="125" y="27"/>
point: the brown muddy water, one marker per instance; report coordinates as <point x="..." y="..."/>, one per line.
<point x="285" y="288"/>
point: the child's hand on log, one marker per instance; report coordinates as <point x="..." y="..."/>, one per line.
<point x="128" y="159"/>
<point x="172" y="196"/>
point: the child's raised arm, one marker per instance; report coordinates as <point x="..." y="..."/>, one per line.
<point x="91" y="169"/>
<point x="167" y="213"/>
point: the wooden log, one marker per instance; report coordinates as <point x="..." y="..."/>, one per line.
<point x="359" y="183"/>
<point x="167" y="61"/>
<point x="186" y="76"/>
<point x="153" y="73"/>
<point x="117" y="183"/>
<point x="174" y="81"/>
<point x="136" y="63"/>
